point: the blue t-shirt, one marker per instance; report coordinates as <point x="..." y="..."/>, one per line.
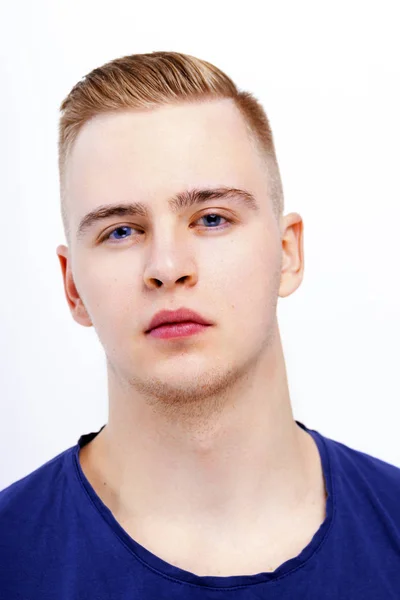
<point x="59" y="541"/>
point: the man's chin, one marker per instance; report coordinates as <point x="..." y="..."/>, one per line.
<point x="187" y="387"/>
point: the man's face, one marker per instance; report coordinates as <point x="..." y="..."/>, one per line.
<point x="124" y="269"/>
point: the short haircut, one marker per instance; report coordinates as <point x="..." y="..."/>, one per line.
<point x="148" y="81"/>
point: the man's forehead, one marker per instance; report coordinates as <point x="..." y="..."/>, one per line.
<point x="199" y="141"/>
<point x="181" y="122"/>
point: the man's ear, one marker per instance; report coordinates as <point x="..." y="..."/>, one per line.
<point x="75" y="302"/>
<point x="292" y="254"/>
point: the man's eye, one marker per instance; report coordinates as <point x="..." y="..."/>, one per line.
<point x="121" y="231"/>
<point x="213" y="219"/>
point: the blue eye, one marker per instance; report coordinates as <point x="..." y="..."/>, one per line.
<point x="212" y="217"/>
<point x="120" y="230"/>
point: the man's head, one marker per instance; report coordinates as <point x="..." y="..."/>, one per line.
<point x="191" y="159"/>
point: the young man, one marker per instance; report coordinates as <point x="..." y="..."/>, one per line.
<point x="201" y="484"/>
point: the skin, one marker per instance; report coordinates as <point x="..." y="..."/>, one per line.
<point x="201" y="456"/>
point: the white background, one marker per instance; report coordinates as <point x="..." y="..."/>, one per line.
<point x="328" y="76"/>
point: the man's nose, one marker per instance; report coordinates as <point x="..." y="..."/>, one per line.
<point x="169" y="267"/>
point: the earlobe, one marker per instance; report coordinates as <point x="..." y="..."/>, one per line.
<point x="81" y="315"/>
<point x="76" y="306"/>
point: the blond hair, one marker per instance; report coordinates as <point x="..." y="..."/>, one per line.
<point x="146" y="81"/>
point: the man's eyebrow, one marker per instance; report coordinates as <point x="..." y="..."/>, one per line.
<point x="180" y="201"/>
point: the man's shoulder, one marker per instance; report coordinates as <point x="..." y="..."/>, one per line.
<point x="36" y="513"/>
<point x="360" y="459"/>
<point x="365" y="473"/>
<point x="24" y="496"/>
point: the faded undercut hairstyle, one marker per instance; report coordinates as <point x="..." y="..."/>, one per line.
<point x="147" y="81"/>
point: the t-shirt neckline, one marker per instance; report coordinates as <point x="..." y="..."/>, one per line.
<point x="169" y="571"/>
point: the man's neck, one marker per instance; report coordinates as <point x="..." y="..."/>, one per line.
<point x="248" y="460"/>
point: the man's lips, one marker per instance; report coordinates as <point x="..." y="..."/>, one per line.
<point x="182" y="315"/>
<point x="177" y="330"/>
